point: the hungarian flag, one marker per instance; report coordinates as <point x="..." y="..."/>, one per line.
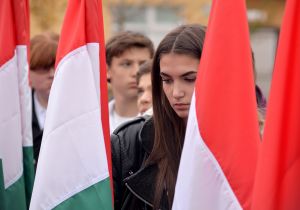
<point x="16" y="154"/>
<point x="277" y="184"/>
<point x="219" y="157"/>
<point x="73" y="170"/>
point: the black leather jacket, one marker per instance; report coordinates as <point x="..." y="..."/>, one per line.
<point x="134" y="183"/>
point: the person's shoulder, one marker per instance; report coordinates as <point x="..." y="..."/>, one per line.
<point x="126" y="145"/>
<point x="131" y="127"/>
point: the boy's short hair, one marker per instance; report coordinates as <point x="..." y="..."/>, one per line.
<point x="145" y="68"/>
<point x="43" y="49"/>
<point x="125" y="40"/>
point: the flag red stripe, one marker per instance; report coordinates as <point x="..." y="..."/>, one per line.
<point x="7" y="30"/>
<point x="14" y="27"/>
<point x="225" y="97"/>
<point x="79" y="26"/>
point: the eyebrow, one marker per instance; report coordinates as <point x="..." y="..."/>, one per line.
<point x="126" y="59"/>
<point x="189" y="73"/>
<point x="164" y="74"/>
<point x="185" y="74"/>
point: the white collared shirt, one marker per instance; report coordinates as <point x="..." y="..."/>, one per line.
<point x="114" y="119"/>
<point x="40" y="111"/>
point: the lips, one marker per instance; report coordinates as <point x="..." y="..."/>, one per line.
<point x="181" y="106"/>
<point x="133" y="85"/>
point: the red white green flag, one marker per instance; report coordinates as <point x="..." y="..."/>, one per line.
<point x="73" y="169"/>
<point x="16" y="154"/>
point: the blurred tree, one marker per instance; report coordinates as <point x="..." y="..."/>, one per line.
<point x="46" y="15"/>
<point x="273" y="10"/>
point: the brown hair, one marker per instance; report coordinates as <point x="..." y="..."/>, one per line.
<point x="43" y="49"/>
<point x="125" y="40"/>
<point x="145" y="68"/>
<point x="169" y="127"/>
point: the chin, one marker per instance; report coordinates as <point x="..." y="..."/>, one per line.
<point x="183" y="115"/>
<point x="131" y="94"/>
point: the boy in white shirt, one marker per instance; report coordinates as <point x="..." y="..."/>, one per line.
<point x="125" y="52"/>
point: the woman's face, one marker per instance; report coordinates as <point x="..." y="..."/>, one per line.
<point x="41" y="80"/>
<point x="178" y="73"/>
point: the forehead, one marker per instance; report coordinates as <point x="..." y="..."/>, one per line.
<point x="135" y="53"/>
<point x="145" y="79"/>
<point x="178" y="64"/>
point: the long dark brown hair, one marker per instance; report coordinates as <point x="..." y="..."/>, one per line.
<point x="169" y="127"/>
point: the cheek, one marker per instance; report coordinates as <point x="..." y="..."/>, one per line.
<point x="139" y="101"/>
<point x="41" y="82"/>
<point x="149" y="95"/>
<point x="116" y="74"/>
<point x="35" y="80"/>
<point x="190" y="91"/>
<point x="167" y="90"/>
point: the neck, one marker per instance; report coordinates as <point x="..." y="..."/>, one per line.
<point x="126" y="107"/>
<point x="43" y="100"/>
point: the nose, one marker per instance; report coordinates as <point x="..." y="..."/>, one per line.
<point x="178" y="91"/>
<point x="146" y="98"/>
<point x="135" y="69"/>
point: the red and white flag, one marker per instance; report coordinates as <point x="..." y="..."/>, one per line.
<point x="73" y="170"/>
<point x="219" y="157"/>
<point x="277" y="184"/>
<point x="16" y="154"/>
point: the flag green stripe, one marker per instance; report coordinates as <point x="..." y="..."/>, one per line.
<point x="15" y="196"/>
<point x="2" y="202"/>
<point x="28" y="172"/>
<point x="96" y="197"/>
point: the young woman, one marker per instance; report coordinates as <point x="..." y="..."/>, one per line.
<point x="146" y="152"/>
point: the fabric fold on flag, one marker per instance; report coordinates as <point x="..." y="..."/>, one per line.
<point x="277" y="183"/>
<point x="219" y="157"/>
<point x="73" y="168"/>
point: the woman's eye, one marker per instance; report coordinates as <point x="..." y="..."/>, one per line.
<point x="166" y="80"/>
<point x="190" y="79"/>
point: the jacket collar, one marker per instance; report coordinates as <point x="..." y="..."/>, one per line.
<point x="146" y="135"/>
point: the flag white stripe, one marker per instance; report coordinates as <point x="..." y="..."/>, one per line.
<point x="24" y="95"/>
<point x="201" y="183"/>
